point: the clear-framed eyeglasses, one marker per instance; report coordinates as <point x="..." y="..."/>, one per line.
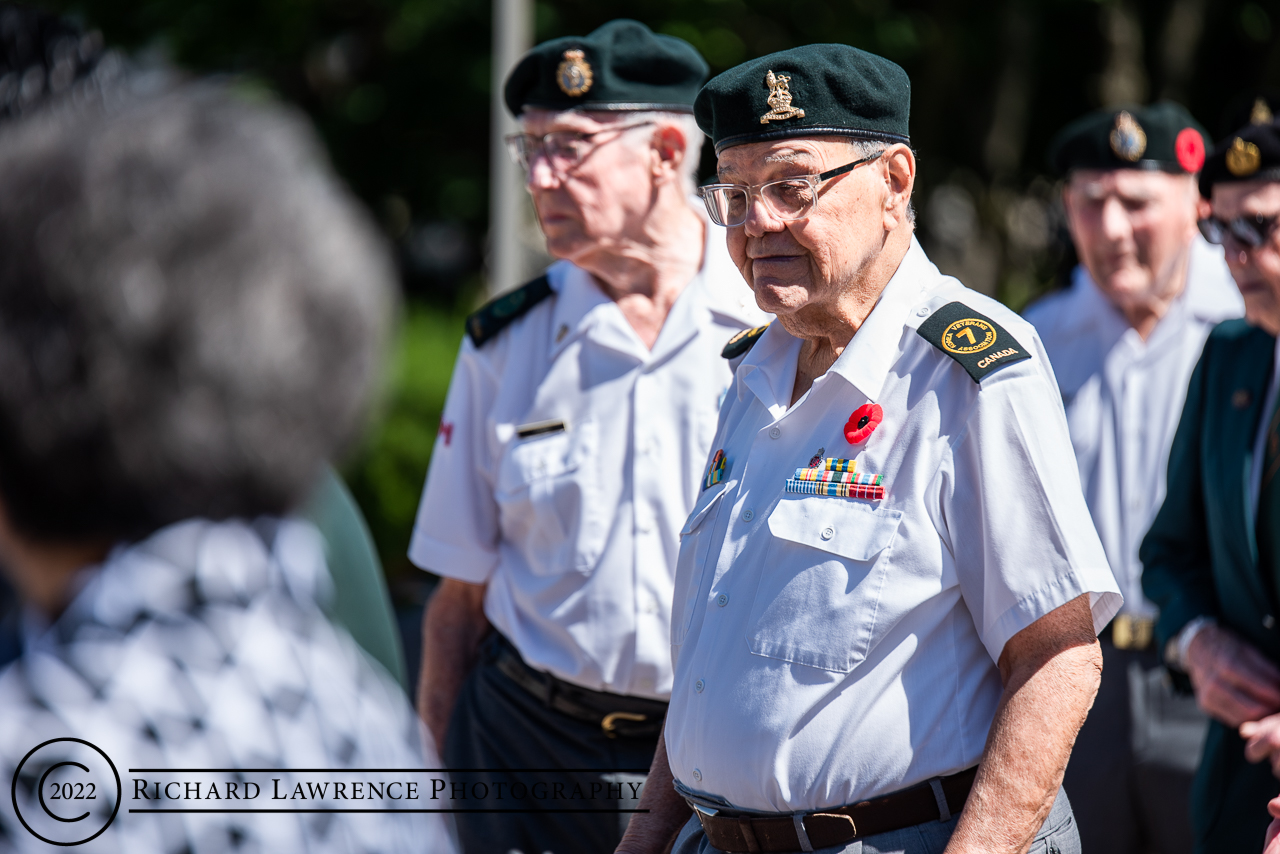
<point x="564" y="149"/>
<point x="787" y="199"/>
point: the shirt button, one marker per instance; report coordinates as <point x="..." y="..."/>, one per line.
<point x="697" y="775"/>
<point x="828" y="533"/>
<point x="722" y="599"/>
<point x="775" y="433"/>
<point x="748" y="515"/>
<point x="921" y="312"/>
<point x="699" y="685"/>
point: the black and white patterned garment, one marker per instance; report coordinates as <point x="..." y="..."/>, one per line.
<point x="204" y="647"/>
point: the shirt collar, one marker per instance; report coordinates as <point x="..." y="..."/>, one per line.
<point x="768" y="370"/>
<point x="716" y="288"/>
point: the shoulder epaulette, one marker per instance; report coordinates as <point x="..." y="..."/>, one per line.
<point x="742" y="342"/>
<point x="499" y="313"/>
<point x="977" y="342"/>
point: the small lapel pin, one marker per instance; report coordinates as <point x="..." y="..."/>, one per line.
<point x="1241" y="398"/>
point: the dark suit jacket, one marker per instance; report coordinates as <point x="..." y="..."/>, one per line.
<point x="1201" y="558"/>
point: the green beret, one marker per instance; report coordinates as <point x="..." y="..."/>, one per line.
<point x="623" y="65"/>
<point x="815" y="90"/>
<point x="1250" y="154"/>
<point x="1161" y="136"/>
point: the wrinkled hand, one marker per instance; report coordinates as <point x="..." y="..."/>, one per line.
<point x="1262" y="741"/>
<point x="1234" y="683"/>
<point x="1273" y="832"/>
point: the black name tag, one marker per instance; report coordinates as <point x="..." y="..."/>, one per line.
<point x="540" y="428"/>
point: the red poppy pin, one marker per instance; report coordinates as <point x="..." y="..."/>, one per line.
<point x="863" y="422"/>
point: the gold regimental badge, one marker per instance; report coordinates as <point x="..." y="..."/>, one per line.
<point x="1243" y="158"/>
<point x="969" y="335"/>
<point x="1261" y="113"/>
<point x="779" y="100"/>
<point x="574" y="75"/>
<point x="1128" y="139"/>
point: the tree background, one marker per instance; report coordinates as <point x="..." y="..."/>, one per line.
<point x="400" y="92"/>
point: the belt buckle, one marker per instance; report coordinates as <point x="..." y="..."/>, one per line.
<point x="610" y="722"/>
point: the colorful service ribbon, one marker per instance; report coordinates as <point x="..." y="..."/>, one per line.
<point x="715" y="473"/>
<point x="862" y="478"/>
<point x="841" y="490"/>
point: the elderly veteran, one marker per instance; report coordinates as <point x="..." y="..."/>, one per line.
<point x="1211" y="562"/>
<point x="887" y="594"/>
<point x="1123" y="340"/>
<point x="580" y="414"/>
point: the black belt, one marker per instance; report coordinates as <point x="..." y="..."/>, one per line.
<point x="840" y="825"/>
<point x="617" y="715"/>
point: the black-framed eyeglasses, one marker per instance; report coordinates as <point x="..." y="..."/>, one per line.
<point x="787" y="199"/>
<point x="564" y="149"/>
<point x="1252" y="231"/>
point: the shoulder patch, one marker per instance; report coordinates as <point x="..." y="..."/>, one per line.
<point x="977" y="342"/>
<point x="742" y="342"/>
<point x="499" y="313"/>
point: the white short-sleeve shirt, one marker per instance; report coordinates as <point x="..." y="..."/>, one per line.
<point x="833" y="649"/>
<point x="575" y="531"/>
<point x="1124" y="397"/>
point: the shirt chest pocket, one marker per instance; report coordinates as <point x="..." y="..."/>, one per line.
<point x="548" y="504"/>
<point x="691" y="566"/>
<point x="824" y="575"/>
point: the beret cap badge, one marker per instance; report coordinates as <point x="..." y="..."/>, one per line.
<point x="574" y="75"/>
<point x="1243" y="158"/>
<point x="1128" y="139"/>
<point x="779" y="99"/>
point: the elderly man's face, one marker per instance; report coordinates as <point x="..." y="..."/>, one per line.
<point x="1132" y="228"/>
<point x="604" y="198"/>
<point x="803" y="266"/>
<point x="1256" y="270"/>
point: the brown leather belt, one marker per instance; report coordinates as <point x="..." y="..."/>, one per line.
<point x="937" y="800"/>
<point x="618" y="716"/>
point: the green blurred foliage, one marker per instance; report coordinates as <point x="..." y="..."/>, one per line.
<point x="400" y="89"/>
<point x="386" y="476"/>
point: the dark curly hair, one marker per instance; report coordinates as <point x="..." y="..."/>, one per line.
<point x="192" y="313"/>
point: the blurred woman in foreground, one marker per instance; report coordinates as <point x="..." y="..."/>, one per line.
<point x="191" y="317"/>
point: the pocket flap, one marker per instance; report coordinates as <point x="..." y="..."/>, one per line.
<point x="708" y="499"/>
<point x="835" y="525"/>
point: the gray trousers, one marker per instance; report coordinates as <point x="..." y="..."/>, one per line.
<point x="1131" y="770"/>
<point x="1056" y="836"/>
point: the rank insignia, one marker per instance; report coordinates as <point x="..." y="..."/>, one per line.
<point x="574" y="75"/>
<point x="716" y="471"/>
<point x="779" y="99"/>
<point x="837" y="478"/>
<point x="1243" y="158"/>
<point x="1128" y="139"/>
<point x="816" y="459"/>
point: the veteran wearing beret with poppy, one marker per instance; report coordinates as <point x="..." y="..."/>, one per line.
<point x="1123" y="339"/>
<point x="1211" y="562"/>
<point x="577" y="423"/>
<point x="888" y="590"/>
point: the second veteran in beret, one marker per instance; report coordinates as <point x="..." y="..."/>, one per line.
<point x="888" y="590"/>
<point x="1124" y="339"/>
